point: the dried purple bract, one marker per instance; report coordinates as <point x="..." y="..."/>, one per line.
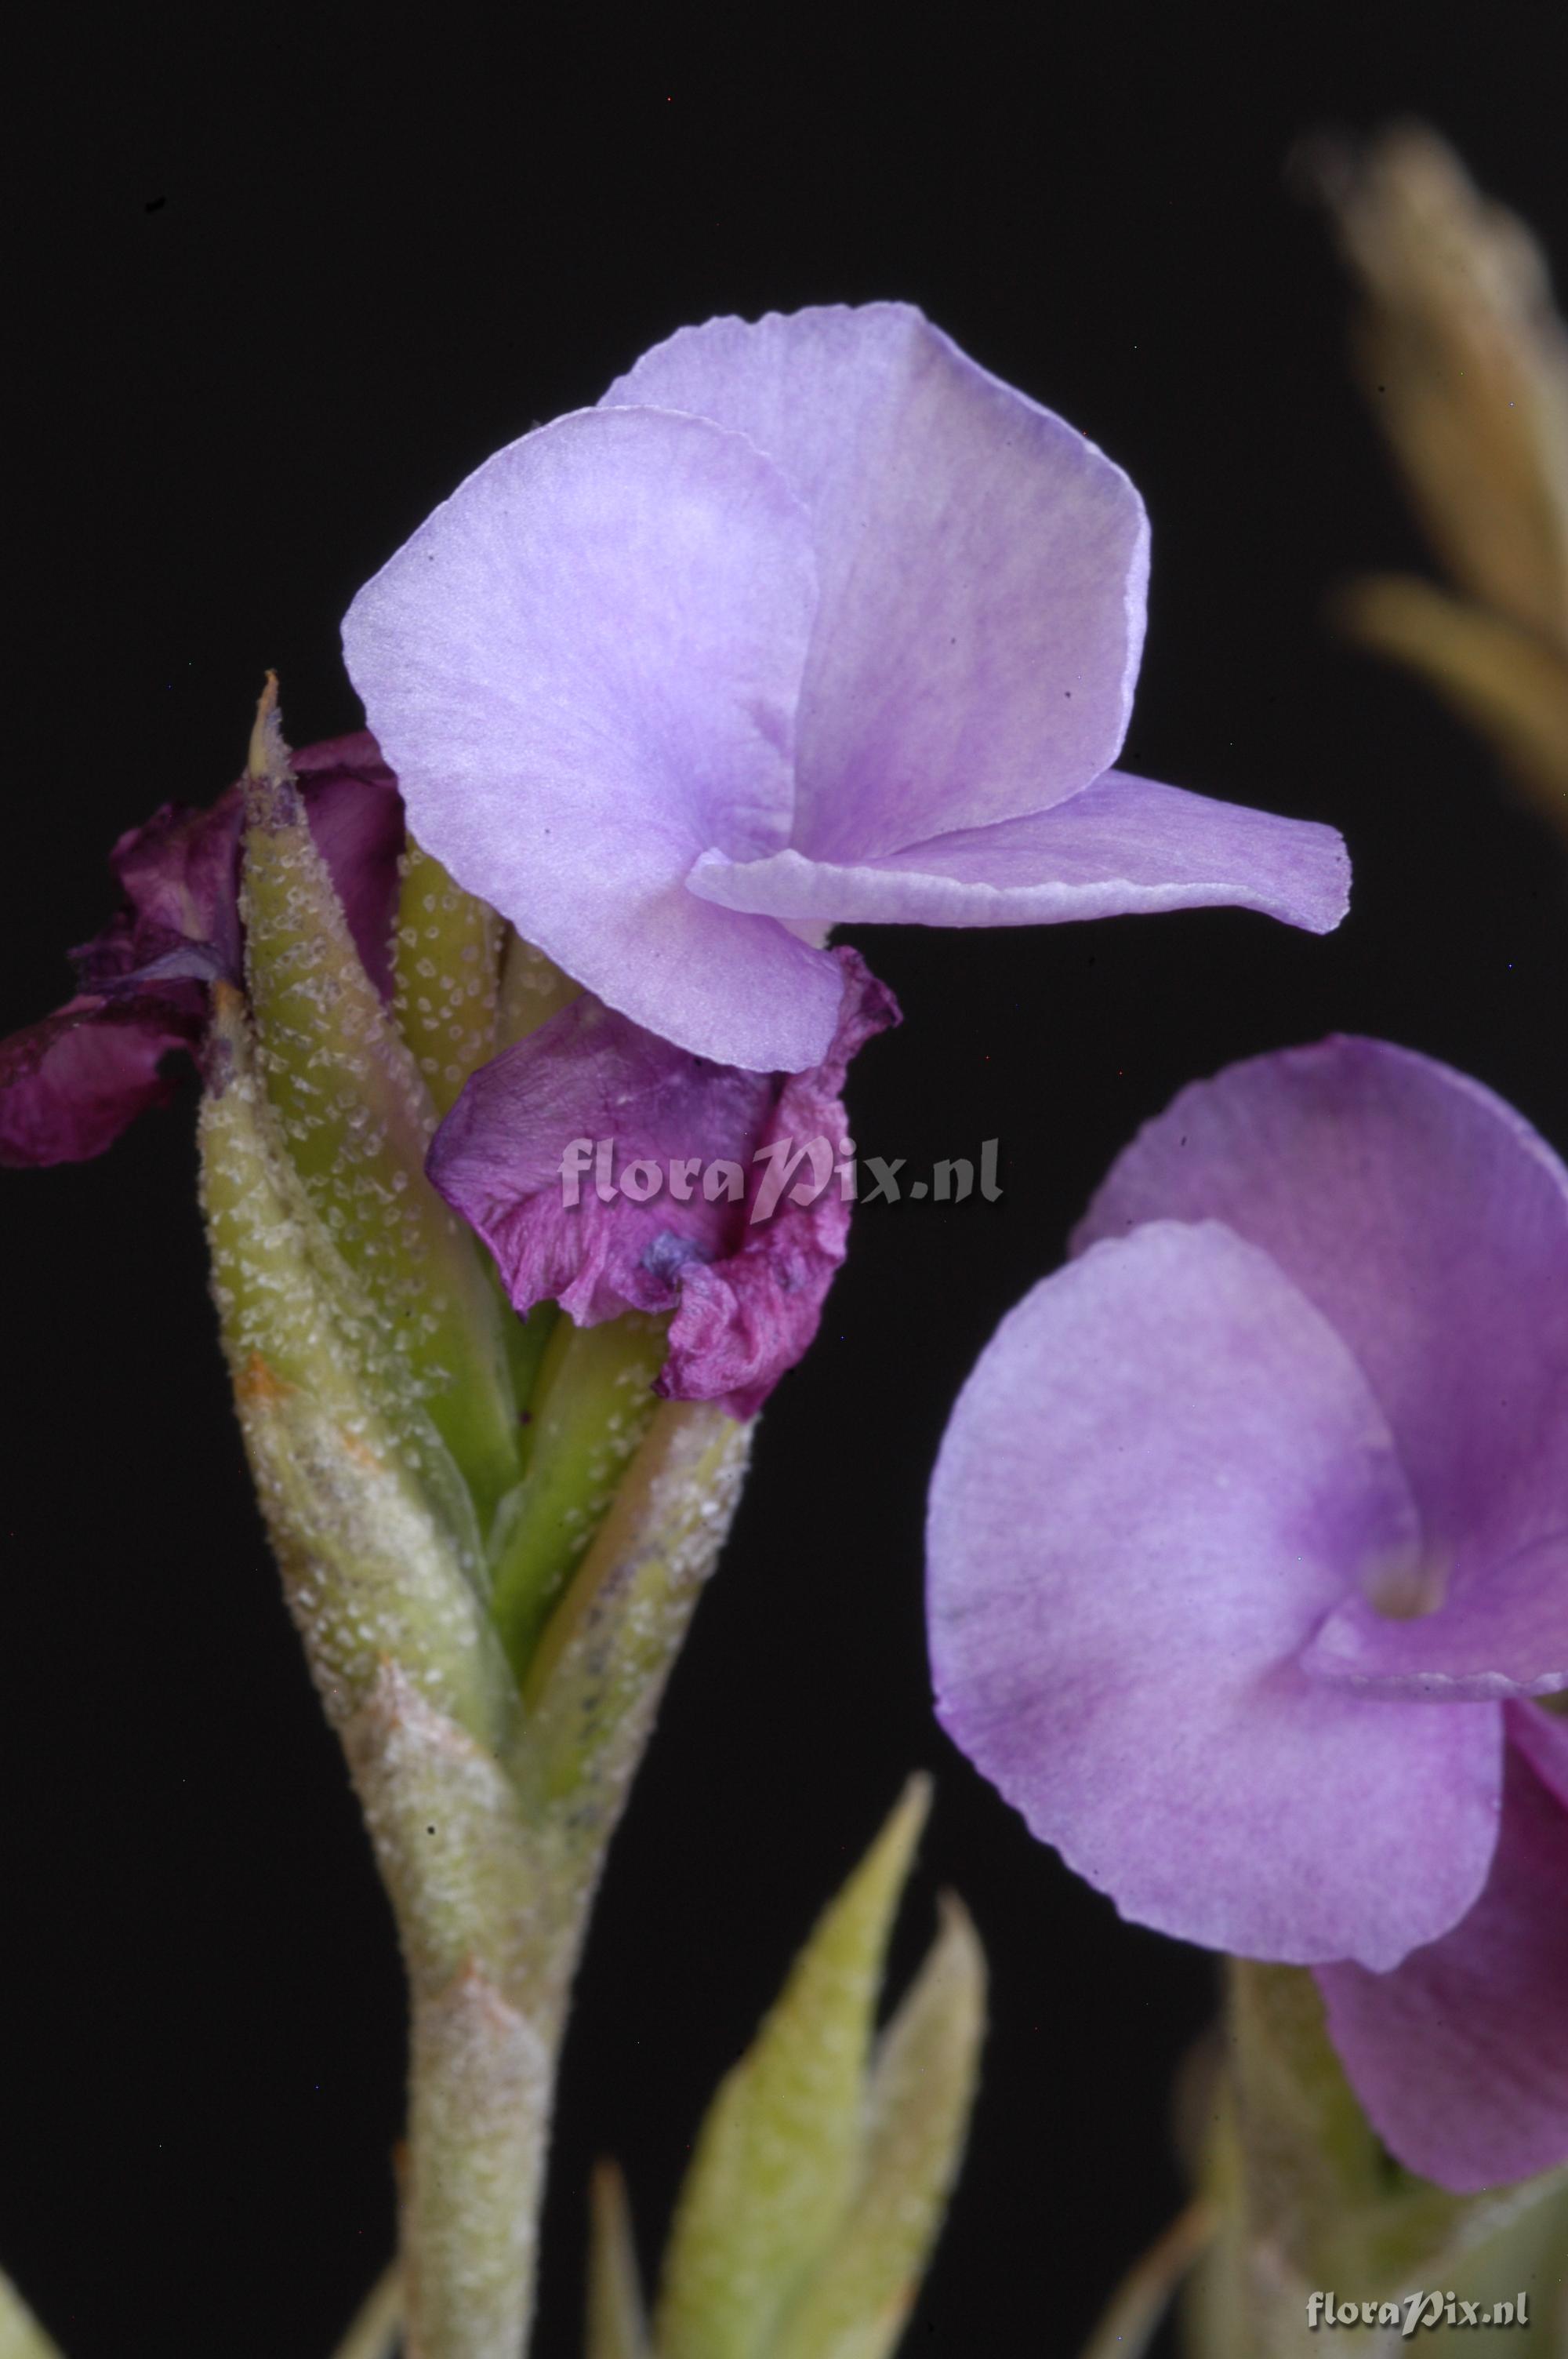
<point x="719" y="1198"/>
<point x="71" y="1083"/>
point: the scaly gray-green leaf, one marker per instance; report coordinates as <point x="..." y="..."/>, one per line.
<point x="778" y="2156"/>
<point x="356" y="1120"/>
<point x="918" y="2101"/>
<point x="365" y="1513"/>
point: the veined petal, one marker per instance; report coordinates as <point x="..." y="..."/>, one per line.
<point x="983" y="568"/>
<point x="1429" y="1223"/>
<point x="583" y="669"/>
<point x="1164" y="1472"/>
<point x="1121" y="845"/>
<point x="1460" y="2055"/>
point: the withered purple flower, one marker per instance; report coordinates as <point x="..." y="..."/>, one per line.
<point x="812" y="620"/>
<point x="72" y="1082"/>
<point x="1248" y="1552"/>
<point x="692" y="1229"/>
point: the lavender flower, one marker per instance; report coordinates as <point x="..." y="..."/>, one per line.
<point x="745" y="1278"/>
<point x="1248" y="1549"/>
<point x="72" y="1082"/>
<point x="812" y="620"/>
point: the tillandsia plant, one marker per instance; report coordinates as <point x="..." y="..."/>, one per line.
<point x="810" y="620"/>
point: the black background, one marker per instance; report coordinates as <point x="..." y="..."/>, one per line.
<point x="270" y="297"/>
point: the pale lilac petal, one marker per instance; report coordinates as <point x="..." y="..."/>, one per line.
<point x="1164" y="1472"/>
<point x="1429" y="1223"/>
<point x="1505" y="1635"/>
<point x="983" y="570"/>
<point x="70" y="1084"/>
<point x="744" y="1320"/>
<point x="583" y="670"/>
<point x="1460" y="2056"/>
<point x="744" y="1274"/>
<point x="1121" y="845"/>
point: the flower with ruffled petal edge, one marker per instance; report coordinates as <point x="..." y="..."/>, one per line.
<point x="811" y="620"/>
<point x="1248" y="1549"/>
<point x="71" y="1083"/>
<point x="744" y="1273"/>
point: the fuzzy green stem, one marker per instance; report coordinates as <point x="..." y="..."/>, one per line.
<point x="373" y="1370"/>
<point x="492" y="1866"/>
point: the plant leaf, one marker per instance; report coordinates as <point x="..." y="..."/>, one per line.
<point x="377" y="2322"/>
<point x="1137" y="2308"/>
<point x="371" y="1525"/>
<point x="781" y="2150"/>
<point x="21" y="2336"/>
<point x="1511" y="686"/>
<point x="616" y="2325"/>
<point x="595" y="1681"/>
<point x="532" y="989"/>
<point x="356" y="1121"/>
<point x="592" y="1402"/>
<point x="445" y="964"/>
<point x="919" y="2099"/>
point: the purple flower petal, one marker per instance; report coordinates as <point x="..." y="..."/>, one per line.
<point x="1503" y="1635"/>
<point x="178" y="873"/>
<point x="1164" y="1472"/>
<point x="70" y="1084"/>
<point x="519" y="1158"/>
<point x="356" y="816"/>
<point x="1460" y="2056"/>
<point x="1429" y="1223"/>
<point x="583" y="671"/>
<point x="801" y="594"/>
<point x="983" y="570"/>
<point x="503" y="1159"/>
<point x="1120" y="845"/>
<point x="746" y="1318"/>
